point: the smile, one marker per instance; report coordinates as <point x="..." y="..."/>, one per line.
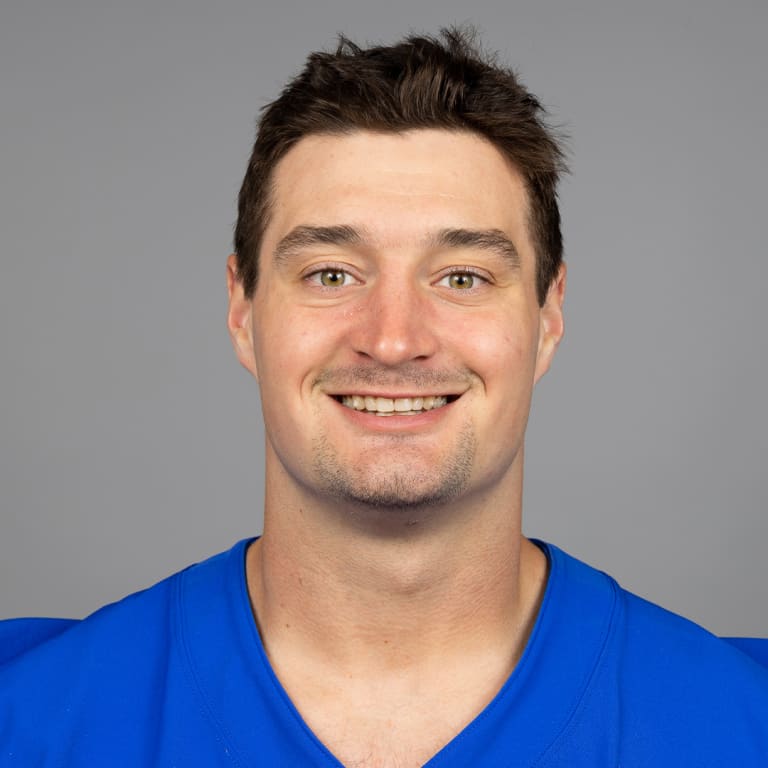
<point x="397" y="406"/>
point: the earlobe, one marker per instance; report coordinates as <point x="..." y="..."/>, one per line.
<point x="551" y="324"/>
<point x="240" y="319"/>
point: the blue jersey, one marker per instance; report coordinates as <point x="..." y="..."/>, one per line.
<point x="177" y="676"/>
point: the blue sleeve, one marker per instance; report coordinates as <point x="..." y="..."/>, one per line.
<point x="19" y="635"/>
<point x="756" y="647"/>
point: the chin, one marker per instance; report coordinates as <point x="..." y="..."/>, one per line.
<point x="404" y="483"/>
<point x="396" y="493"/>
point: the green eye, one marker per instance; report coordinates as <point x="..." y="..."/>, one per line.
<point x="461" y="280"/>
<point x="332" y="278"/>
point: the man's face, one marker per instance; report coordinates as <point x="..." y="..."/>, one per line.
<point x="395" y="331"/>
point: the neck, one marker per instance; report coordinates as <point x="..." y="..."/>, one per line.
<point x="328" y="587"/>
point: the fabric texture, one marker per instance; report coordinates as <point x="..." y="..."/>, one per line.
<point x="176" y="675"/>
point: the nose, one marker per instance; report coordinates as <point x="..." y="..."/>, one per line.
<point x="395" y="324"/>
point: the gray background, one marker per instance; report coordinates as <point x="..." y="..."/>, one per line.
<point x="131" y="439"/>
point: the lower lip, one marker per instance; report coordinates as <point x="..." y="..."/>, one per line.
<point x="395" y="422"/>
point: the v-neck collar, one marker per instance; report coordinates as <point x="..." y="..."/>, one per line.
<point x="258" y="723"/>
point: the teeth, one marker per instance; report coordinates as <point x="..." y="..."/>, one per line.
<point x="388" y="406"/>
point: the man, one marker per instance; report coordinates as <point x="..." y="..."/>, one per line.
<point x="396" y="291"/>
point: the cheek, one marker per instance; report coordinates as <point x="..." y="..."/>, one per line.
<point x="291" y="345"/>
<point x="501" y="350"/>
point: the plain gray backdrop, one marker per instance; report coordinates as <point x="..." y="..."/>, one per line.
<point x="131" y="441"/>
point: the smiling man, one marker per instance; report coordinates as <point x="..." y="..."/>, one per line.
<point x="396" y="291"/>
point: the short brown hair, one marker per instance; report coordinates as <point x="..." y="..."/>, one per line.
<point x="420" y="82"/>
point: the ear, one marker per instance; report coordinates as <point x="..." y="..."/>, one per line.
<point x="240" y="318"/>
<point x="551" y="325"/>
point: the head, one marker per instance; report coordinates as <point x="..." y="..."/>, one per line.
<point x="421" y="82"/>
<point x="398" y="242"/>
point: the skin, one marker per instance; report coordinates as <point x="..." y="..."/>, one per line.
<point x="392" y="587"/>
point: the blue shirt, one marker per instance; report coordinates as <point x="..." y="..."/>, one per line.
<point x="177" y="675"/>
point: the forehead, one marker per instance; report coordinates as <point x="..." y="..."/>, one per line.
<point x="398" y="186"/>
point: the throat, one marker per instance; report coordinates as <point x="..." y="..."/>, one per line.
<point x="394" y="610"/>
<point x="388" y="653"/>
<point x="398" y="719"/>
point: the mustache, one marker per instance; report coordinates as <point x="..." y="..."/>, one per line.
<point x="407" y="375"/>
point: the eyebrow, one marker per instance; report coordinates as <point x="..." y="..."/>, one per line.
<point x="305" y="236"/>
<point x="493" y="240"/>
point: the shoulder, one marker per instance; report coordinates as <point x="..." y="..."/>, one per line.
<point x="109" y="630"/>
<point x="658" y="640"/>
<point x="755" y="647"/>
<point x="686" y="691"/>
<point x="106" y="677"/>
<point x="61" y="663"/>
<point x="127" y="625"/>
<point x="62" y="678"/>
<point x="648" y="634"/>
<point x="662" y="689"/>
<point x="20" y="635"/>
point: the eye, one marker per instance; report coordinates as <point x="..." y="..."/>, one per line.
<point x="331" y="277"/>
<point x="461" y="280"/>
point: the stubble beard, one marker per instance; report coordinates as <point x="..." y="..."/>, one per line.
<point x="396" y="485"/>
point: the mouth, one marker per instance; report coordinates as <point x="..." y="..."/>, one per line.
<point x="395" y="406"/>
